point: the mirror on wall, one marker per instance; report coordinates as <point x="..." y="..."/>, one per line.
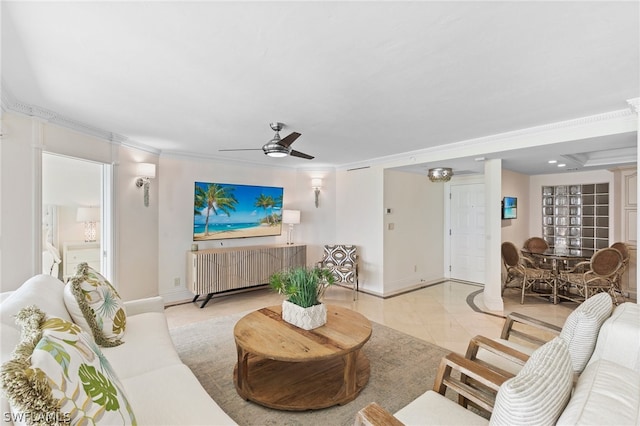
<point x="72" y="211"/>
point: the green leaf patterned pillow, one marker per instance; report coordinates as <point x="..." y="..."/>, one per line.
<point x="96" y="306"/>
<point x="58" y="375"/>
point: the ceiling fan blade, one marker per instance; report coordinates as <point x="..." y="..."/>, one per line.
<point x="295" y="153"/>
<point x="242" y="149"/>
<point x="288" y="140"/>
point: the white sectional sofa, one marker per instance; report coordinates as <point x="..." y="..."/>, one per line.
<point x="160" y="388"/>
<point x="607" y="392"/>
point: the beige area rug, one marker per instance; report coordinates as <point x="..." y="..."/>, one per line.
<point x="402" y="368"/>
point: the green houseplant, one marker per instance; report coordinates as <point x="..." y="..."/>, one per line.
<point x="304" y="289"/>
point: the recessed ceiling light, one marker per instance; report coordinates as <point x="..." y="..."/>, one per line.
<point x="553" y="161"/>
<point x="561" y="165"/>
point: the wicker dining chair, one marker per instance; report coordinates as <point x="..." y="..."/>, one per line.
<point x="594" y="276"/>
<point x="537" y="245"/>
<point x="624" y="251"/>
<point x="342" y="261"/>
<point x="523" y="268"/>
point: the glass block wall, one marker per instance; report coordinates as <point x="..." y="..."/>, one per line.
<point x="576" y="217"/>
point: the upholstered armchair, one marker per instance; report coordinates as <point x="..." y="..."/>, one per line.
<point x="342" y="261"/>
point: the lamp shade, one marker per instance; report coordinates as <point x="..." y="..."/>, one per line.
<point x="291" y="216"/>
<point x="147" y="170"/>
<point x="316" y="183"/>
<point x="88" y="214"/>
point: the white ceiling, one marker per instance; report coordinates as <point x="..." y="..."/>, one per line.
<point x="359" y="80"/>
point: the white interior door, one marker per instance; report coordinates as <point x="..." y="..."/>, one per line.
<point x="467" y="232"/>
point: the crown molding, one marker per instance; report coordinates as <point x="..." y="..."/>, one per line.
<point x="515" y="139"/>
<point x="485" y="144"/>
<point x="11" y="104"/>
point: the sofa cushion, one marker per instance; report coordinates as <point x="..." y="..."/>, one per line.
<point x="431" y="408"/>
<point x="96" y="306"/>
<point x="44" y="291"/>
<point x="149" y="339"/>
<point x="58" y="374"/>
<point x="581" y="328"/>
<point x="540" y="391"/>
<point x="619" y="337"/>
<point x="173" y="396"/>
<point x="606" y="393"/>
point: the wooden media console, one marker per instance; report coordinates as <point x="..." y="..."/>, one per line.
<point x="225" y="269"/>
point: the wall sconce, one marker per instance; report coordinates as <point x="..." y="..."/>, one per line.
<point x="316" y="184"/>
<point x="440" y="174"/>
<point x="290" y="217"/>
<point x="88" y="215"/>
<point x="146" y="171"/>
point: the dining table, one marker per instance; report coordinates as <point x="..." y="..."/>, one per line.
<point x="557" y="259"/>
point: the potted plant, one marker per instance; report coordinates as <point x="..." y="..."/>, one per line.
<point x="304" y="289"/>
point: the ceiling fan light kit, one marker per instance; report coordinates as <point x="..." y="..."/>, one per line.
<point x="278" y="147"/>
<point x="440" y="174"/>
<point x="273" y="149"/>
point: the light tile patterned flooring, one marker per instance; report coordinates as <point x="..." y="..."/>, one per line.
<point x="442" y="314"/>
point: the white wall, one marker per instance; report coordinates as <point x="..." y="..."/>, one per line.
<point x="175" y="234"/>
<point x="359" y="221"/>
<point x="16" y="222"/>
<point x="413" y="249"/>
<point x="317" y="224"/>
<point x="136" y="260"/>
<point x="517" y="230"/>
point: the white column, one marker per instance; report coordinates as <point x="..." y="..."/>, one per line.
<point x="493" y="266"/>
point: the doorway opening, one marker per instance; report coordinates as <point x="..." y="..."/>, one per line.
<point x="75" y="225"/>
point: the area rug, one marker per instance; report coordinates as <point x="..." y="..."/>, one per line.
<point x="402" y="368"/>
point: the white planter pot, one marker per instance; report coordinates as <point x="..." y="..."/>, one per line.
<point x="305" y="318"/>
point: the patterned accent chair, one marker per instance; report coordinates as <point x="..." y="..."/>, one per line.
<point x="342" y="261"/>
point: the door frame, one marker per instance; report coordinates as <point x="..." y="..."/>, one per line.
<point x="107" y="241"/>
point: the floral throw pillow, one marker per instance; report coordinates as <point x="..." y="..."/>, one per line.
<point x="96" y="306"/>
<point x="58" y="375"/>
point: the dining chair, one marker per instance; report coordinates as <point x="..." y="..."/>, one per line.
<point x="522" y="267"/>
<point x="624" y="251"/>
<point x="537" y="245"/>
<point x="599" y="274"/>
<point x="342" y="261"/>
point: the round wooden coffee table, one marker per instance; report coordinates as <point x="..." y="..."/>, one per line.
<point x="285" y="367"/>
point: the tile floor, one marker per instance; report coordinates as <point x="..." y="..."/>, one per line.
<point x="446" y="314"/>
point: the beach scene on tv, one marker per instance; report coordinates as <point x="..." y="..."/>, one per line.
<point x="223" y="211"/>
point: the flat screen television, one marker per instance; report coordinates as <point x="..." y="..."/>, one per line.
<point x="509" y="208"/>
<point x="222" y="210"/>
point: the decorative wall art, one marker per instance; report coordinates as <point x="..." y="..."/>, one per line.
<point x="222" y="211"/>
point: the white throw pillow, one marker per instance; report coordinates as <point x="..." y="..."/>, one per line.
<point x="580" y="330"/>
<point x="58" y="375"/>
<point x="539" y="392"/>
<point x="96" y="306"/>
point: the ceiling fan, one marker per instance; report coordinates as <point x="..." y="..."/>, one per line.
<point x="278" y="147"/>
